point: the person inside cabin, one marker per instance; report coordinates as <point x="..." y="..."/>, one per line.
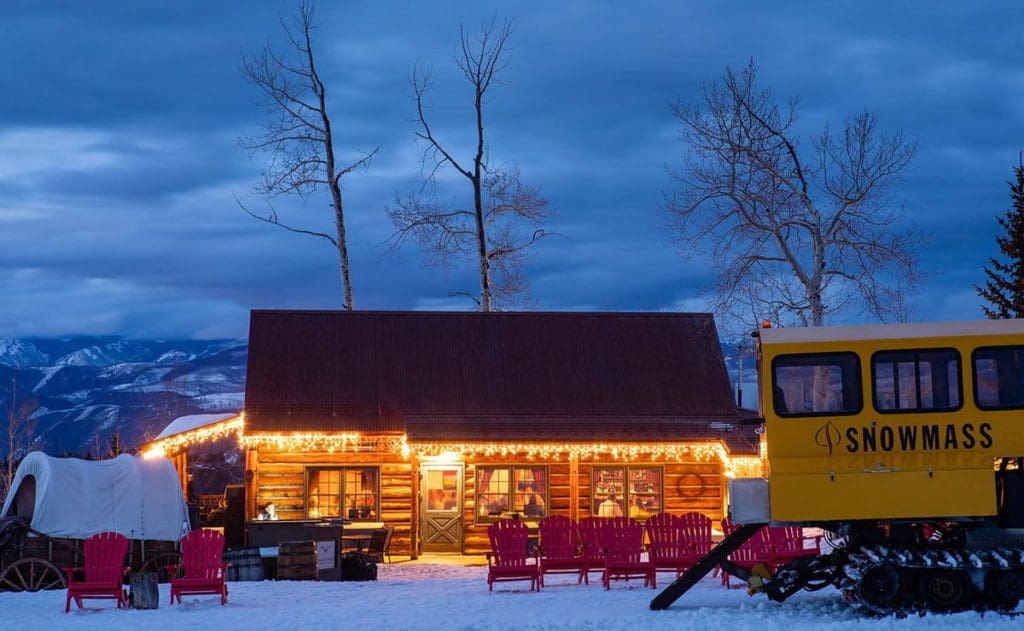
<point x="435" y="499"/>
<point x="269" y="513"/>
<point x="533" y="502"/>
<point x="497" y="505"/>
<point x="637" y="509"/>
<point x="610" y="507"/>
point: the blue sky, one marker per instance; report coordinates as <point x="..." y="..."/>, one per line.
<point x="119" y="160"/>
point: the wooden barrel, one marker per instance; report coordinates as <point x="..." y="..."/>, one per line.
<point x="296" y="561"/>
<point x="246" y="564"/>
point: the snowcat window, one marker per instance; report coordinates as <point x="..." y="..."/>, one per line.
<point x="816" y="384"/>
<point x="916" y="380"/>
<point x="999" y="377"/>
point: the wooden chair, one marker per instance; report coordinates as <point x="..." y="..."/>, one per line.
<point x="591" y="550"/>
<point x="378" y="542"/>
<point x="202" y="568"/>
<point x="102" y="572"/>
<point x="559" y="551"/>
<point x="507" y="560"/>
<point x="788" y="543"/>
<point x="390" y="528"/>
<point x="754" y="551"/>
<point x="622" y="540"/>
<point x="677" y="542"/>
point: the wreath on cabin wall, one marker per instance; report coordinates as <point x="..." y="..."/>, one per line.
<point x="690" y="485"/>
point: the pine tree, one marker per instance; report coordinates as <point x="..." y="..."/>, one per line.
<point x="1004" y="289"/>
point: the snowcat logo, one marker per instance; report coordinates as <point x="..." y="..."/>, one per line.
<point x="828" y="436"/>
<point x="871" y="439"/>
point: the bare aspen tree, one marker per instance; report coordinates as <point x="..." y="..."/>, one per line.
<point x="20" y="431"/>
<point x="797" y="231"/>
<point x="297" y="138"/>
<point x="506" y="215"/>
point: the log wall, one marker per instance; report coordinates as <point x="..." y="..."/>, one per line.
<point x="687" y="486"/>
<point x="280" y="477"/>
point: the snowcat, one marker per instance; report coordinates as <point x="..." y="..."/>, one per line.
<point x="904" y="443"/>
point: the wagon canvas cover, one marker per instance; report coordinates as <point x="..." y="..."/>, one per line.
<point x="68" y="497"/>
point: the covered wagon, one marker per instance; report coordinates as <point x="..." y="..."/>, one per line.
<point x="56" y="503"/>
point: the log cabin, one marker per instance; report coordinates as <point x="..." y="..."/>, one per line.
<point x="439" y="423"/>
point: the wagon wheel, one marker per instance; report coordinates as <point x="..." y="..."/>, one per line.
<point x="159" y="563"/>
<point x="31" y="575"/>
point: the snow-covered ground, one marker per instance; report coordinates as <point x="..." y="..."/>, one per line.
<point x="425" y="595"/>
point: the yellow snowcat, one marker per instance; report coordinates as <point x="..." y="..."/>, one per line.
<point x="903" y="442"/>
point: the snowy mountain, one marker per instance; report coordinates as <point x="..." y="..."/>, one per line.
<point x="86" y="390"/>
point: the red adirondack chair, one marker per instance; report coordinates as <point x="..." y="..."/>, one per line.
<point x="622" y="540"/>
<point x="202" y="570"/>
<point x="559" y="548"/>
<point x="677" y="542"/>
<point x="591" y="548"/>
<point x="507" y="560"/>
<point x="754" y="551"/>
<point x="102" y="572"/>
<point x="787" y="543"/>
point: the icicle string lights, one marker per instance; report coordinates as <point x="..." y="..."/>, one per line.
<point x="184" y="440"/>
<point x="706" y="451"/>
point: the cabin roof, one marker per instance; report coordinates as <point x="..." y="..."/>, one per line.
<point x="443" y="376"/>
<point x="924" y="330"/>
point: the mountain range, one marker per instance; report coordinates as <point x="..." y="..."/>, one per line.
<point x="85" y="391"/>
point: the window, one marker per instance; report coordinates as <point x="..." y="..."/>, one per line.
<point x="999" y="377"/>
<point x="626" y="492"/>
<point x="441" y="487"/>
<point x="908" y="381"/>
<point x="816" y="384"/>
<point x="348" y="492"/>
<point x="521" y="490"/>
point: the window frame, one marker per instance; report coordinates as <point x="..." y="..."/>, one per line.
<point x="917" y="373"/>
<point x="858" y="372"/>
<point x="974" y="378"/>
<point x="341" y="469"/>
<point x="627" y="494"/>
<point x="489" y="519"/>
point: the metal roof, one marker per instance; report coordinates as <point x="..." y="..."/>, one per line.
<point x="482" y="376"/>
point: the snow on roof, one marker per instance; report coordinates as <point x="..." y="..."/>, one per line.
<point x="184" y="424"/>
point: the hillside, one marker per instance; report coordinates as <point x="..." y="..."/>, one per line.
<point x="87" y="389"/>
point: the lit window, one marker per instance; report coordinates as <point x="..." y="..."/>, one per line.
<point x="815" y="384"/>
<point x="999" y="377"/>
<point x="500" y="490"/>
<point x="916" y="380"/>
<point x="627" y="492"/>
<point x="351" y="492"/>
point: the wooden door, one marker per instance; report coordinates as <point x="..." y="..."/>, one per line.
<point x="441" y="507"/>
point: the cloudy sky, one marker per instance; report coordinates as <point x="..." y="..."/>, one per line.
<point x="119" y="159"/>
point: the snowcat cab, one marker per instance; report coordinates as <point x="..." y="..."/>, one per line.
<point x="905" y="443"/>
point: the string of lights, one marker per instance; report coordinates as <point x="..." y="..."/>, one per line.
<point x="332" y="442"/>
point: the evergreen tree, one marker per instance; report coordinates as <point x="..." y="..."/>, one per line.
<point x="1004" y="289"/>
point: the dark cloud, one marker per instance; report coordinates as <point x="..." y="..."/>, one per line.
<point x="119" y="164"/>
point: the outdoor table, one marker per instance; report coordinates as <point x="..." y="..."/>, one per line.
<point x="359" y="541"/>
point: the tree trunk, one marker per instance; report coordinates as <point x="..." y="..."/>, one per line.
<point x="478" y="208"/>
<point x="339" y="208"/>
<point x="339" y="220"/>
<point x="481" y="237"/>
